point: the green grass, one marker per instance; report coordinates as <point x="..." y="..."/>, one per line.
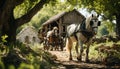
<point x="36" y="59"/>
<point x="94" y="54"/>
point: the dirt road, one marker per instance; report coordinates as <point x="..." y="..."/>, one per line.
<point x="62" y="62"/>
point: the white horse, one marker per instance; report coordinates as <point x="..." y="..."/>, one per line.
<point x="81" y="33"/>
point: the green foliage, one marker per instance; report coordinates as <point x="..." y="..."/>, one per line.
<point x="19" y="29"/>
<point x="11" y="67"/>
<point x="26" y="66"/>
<point x="49" y="10"/>
<point x="23" y="8"/>
<point x="4" y="38"/>
<point x="107" y="53"/>
<point x="107" y="7"/>
<point x="110" y="27"/>
<point x="102" y="30"/>
<point x="34" y="57"/>
<point x="1" y="65"/>
<point x="93" y="52"/>
<point x="107" y="28"/>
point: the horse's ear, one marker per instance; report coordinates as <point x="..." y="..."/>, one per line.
<point x="98" y="15"/>
<point x="92" y="15"/>
<point x="99" y="23"/>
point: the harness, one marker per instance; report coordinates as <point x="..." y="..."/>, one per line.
<point x="82" y="26"/>
<point x="87" y="34"/>
<point x="83" y="30"/>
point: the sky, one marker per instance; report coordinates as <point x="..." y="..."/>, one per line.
<point x="84" y="12"/>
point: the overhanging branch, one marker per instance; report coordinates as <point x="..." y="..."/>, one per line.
<point x="27" y="17"/>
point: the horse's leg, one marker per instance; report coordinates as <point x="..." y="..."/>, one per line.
<point x="56" y="44"/>
<point x="61" y="46"/>
<point x="46" y="45"/>
<point x="87" y="53"/>
<point x="47" y="38"/>
<point x="51" y="43"/>
<point x="56" y="48"/>
<point x="79" y="58"/>
<point x="76" y="48"/>
<point x="60" y="43"/>
<point x="69" y="47"/>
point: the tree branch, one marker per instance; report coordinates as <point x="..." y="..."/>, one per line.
<point x="27" y="17"/>
<point x="17" y="2"/>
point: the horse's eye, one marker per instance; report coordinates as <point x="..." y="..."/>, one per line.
<point x="91" y="23"/>
<point x="99" y="23"/>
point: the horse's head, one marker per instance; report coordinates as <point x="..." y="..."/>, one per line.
<point x="92" y="23"/>
<point x="55" y="29"/>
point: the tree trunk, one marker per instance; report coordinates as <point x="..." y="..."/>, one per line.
<point x="7" y="20"/>
<point x="118" y="24"/>
<point x="10" y="32"/>
<point x="9" y="25"/>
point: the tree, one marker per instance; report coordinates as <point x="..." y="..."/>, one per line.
<point x="108" y="8"/>
<point x="103" y="31"/>
<point x="8" y="23"/>
<point x="43" y="15"/>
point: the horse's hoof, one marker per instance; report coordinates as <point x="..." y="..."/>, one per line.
<point x="70" y="59"/>
<point x="79" y="59"/>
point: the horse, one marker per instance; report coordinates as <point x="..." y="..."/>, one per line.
<point x="81" y="33"/>
<point x="42" y="36"/>
<point x="52" y="38"/>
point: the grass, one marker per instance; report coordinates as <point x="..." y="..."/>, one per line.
<point x="43" y="59"/>
<point x="94" y="54"/>
<point x="36" y="59"/>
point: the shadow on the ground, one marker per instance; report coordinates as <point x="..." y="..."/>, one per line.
<point x="62" y="62"/>
<point x="83" y="65"/>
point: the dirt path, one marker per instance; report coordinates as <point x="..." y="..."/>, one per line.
<point x="63" y="63"/>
